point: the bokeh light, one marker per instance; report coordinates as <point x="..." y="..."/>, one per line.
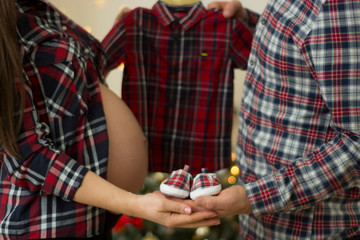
<point x="232" y="180"/>
<point x="235" y="170"/>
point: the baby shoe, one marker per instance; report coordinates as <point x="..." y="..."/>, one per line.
<point x="178" y="183"/>
<point x="205" y="184"/>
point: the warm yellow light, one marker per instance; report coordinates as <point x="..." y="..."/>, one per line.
<point x="88" y="29"/>
<point x="232" y="180"/>
<point x="121" y="67"/>
<point x="233" y="157"/>
<point x="202" y="232"/>
<point x="159" y="176"/>
<point x="235" y="170"/>
<point x="99" y="2"/>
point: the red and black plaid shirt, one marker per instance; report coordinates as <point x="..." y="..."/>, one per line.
<point x="63" y="133"/>
<point x="179" y="80"/>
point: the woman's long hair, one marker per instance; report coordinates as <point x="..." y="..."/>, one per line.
<point x="11" y="85"/>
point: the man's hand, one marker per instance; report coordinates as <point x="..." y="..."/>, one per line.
<point x="124" y="10"/>
<point x="230" y="9"/>
<point x="230" y="201"/>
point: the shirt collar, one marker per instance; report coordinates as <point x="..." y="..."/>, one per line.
<point x="196" y="12"/>
<point x="305" y="13"/>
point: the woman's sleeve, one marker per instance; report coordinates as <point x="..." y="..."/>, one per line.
<point x="45" y="168"/>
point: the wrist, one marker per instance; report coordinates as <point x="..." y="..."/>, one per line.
<point x="125" y="203"/>
<point x="245" y="203"/>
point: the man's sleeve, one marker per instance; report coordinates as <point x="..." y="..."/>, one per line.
<point x="333" y="53"/>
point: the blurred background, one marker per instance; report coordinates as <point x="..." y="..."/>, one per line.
<point x="97" y="17"/>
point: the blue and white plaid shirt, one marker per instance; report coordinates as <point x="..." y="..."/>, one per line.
<point x="299" y="134"/>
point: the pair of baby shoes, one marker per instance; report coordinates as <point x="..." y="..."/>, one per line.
<point x="180" y="184"/>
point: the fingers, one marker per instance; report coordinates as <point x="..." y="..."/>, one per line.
<point x="192" y="204"/>
<point x="177" y="207"/>
<point x="124" y="10"/>
<point x="207" y="202"/>
<point x="233" y="9"/>
<point x="230" y="8"/>
<point x="203" y="223"/>
<point x="173" y="203"/>
<point x="175" y="213"/>
<point x="194" y="220"/>
<point x="217" y="4"/>
<point x="182" y="214"/>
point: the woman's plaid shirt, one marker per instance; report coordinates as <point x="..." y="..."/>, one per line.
<point x="63" y="133"/>
<point x="299" y="133"/>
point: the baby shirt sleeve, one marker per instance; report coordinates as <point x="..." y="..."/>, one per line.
<point x="114" y="45"/>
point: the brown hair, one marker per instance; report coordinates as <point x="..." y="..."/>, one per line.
<point x="11" y="99"/>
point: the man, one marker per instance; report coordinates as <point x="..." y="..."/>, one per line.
<point x="299" y="140"/>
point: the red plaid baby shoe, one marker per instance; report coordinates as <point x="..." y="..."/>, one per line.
<point x="177" y="184"/>
<point x="205" y="184"/>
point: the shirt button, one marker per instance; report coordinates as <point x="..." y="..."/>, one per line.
<point x="252" y="63"/>
<point x="263" y="21"/>
<point x="86" y="50"/>
<point x="64" y="28"/>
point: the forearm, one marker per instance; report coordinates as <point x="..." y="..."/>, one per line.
<point x="155" y="207"/>
<point x="330" y="169"/>
<point x="98" y="192"/>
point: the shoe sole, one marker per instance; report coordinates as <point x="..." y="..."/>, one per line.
<point x="205" y="191"/>
<point x="173" y="192"/>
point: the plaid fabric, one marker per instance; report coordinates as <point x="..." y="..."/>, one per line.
<point x="205" y="180"/>
<point x="63" y="132"/>
<point x="178" y="81"/>
<point x="299" y="140"/>
<point x="179" y="179"/>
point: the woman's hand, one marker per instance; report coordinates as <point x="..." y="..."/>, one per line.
<point x="230" y="9"/>
<point x="155" y="207"/>
<point x="173" y="213"/>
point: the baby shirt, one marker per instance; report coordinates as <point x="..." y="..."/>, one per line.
<point x="178" y="80"/>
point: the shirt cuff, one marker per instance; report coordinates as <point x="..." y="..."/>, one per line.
<point x="64" y="178"/>
<point x="264" y="196"/>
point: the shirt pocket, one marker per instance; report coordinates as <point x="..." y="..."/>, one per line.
<point x="60" y="71"/>
<point x="64" y="89"/>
